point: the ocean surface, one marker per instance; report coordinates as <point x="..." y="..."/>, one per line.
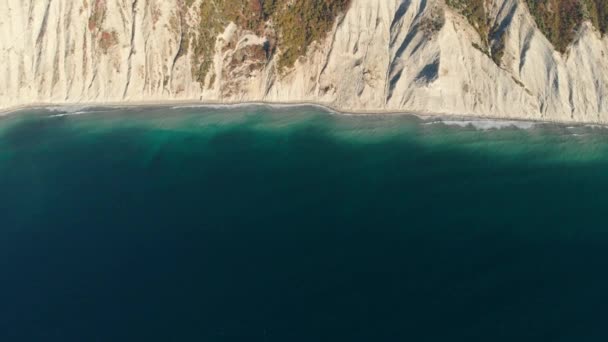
<point x="298" y="224"/>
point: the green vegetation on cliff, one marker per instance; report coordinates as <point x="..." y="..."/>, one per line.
<point x="559" y="20"/>
<point x="597" y="10"/>
<point x="302" y="22"/>
<point x="492" y="42"/>
<point x="290" y="25"/>
<point x="475" y="12"/>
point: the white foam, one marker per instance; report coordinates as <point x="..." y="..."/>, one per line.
<point x="66" y="109"/>
<point x="71" y="111"/>
<point x="257" y="104"/>
<point x="71" y="114"/>
<point x="592" y="126"/>
<point x="212" y="106"/>
<point x="296" y="105"/>
<point x="485" y="125"/>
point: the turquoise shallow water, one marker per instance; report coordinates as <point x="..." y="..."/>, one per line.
<point x="295" y="224"/>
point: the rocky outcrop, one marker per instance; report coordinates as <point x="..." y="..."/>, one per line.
<point x="382" y="55"/>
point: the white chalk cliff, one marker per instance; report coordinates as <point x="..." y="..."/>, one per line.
<point x="383" y="55"/>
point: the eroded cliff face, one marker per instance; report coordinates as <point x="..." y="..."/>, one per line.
<point x="381" y="55"/>
<point x="87" y="50"/>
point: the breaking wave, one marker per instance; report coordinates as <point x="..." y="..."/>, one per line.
<point x="484" y="124"/>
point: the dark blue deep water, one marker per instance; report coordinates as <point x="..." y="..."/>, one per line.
<point x="294" y="224"/>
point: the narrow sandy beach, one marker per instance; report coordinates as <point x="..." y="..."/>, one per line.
<point x="327" y="107"/>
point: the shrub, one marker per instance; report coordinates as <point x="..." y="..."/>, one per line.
<point x="295" y="25"/>
<point x="559" y="20"/>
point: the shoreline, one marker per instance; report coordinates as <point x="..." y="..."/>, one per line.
<point x="327" y="107"/>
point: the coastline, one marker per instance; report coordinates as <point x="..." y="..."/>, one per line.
<point x="325" y="106"/>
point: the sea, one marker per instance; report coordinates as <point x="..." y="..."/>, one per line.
<point x="277" y="223"/>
